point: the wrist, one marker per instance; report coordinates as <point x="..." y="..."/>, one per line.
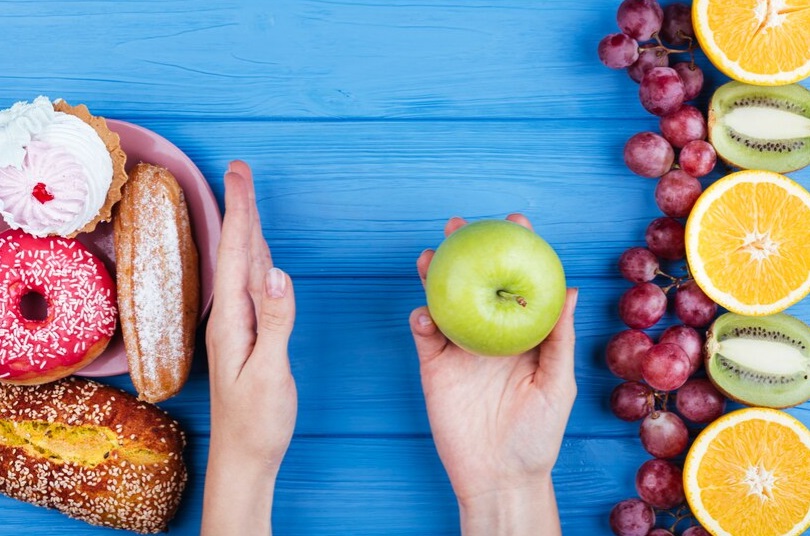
<point x="528" y="510"/>
<point x="238" y="496"/>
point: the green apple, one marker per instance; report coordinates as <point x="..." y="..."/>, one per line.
<point x="495" y="288"/>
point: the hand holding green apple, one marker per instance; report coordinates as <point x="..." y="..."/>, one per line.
<point x="495" y="288"/>
<point x="498" y="423"/>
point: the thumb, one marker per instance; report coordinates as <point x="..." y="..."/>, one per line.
<point x="276" y="317"/>
<point x="556" y="362"/>
<point x="430" y="342"/>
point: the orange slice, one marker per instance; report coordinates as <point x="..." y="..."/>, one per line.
<point x="748" y="242"/>
<point x="748" y="474"/>
<point x="762" y="42"/>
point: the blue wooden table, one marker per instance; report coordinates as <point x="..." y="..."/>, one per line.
<point x="368" y="124"/>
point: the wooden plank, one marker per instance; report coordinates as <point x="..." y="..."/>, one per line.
<point x="364" y="198"/>
<point x="379" y="486"/>
<point x="318" y="58"/>
<point x="357" y="373"/>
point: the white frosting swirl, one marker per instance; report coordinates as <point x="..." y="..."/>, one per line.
<point x="62" y="154"/>
<point x="18" y="125"/>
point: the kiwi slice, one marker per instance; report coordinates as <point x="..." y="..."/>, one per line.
<point x="757" y="127"/>
<point x="760" y="361"/>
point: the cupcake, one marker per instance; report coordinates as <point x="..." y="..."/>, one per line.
<point x="61" y="169"/>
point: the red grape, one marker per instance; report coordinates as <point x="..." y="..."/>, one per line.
<point x="693" y="307"/>
<point x="640" y="19"/>
<point x="650" y="55"/>
<point x="665" y="367"/>
<point x="648" y="154"/>
<point x="699" y="401"/>
<point x="632" y="517"/>
<point x="618" y="50"/>
<point x="659" y="483"/>
<point x="692" y="78"/>
<point x="624" y="352"/>
<point x="659" y="532"/>
<point x="683" y="125"/>
<point x="697" y="158"/>
<point x="638" y="265"/>
<point x="661" y="91"/>
<point x="677" y="26"/>
<point x="641" y="306"/>
<point x="631" y="401"/>
<point x="695" y="530"/>
<point x="690" y="341"/>
<point x="663" y="434"/>
<point x="676" y="193"/>
<point x="665" y="238"/>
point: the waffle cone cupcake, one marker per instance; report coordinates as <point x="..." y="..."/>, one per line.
<point x="61" y="168"/>
<point x="119" y="159"/>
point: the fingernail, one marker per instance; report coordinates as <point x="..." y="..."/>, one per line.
<point x="233" y="174"/>
<point x="275" y="283"/>
<point x="424" y="320"/>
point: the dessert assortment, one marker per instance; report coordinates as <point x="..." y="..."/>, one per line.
<point x="88" y="450"/>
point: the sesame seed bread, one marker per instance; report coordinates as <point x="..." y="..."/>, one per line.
<point x="157" y="275"/>
<point x="93" y="452"/>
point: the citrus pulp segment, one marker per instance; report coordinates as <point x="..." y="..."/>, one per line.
<point x="748" y="474"/>
<point x="763" y="42"/>
<point x="748" y="242"/>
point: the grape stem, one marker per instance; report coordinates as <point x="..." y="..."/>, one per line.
<point x="676" y="281"/>
<point x="662" y="46"/>
<point x="680" y="514"/>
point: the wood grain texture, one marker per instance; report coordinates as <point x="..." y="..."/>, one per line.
<point x="376" y="486"/>
<point x="368" y="124"/>
<point x="318" y="58"/>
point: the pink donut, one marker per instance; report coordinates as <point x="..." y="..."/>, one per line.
<point x="57" y="308"/>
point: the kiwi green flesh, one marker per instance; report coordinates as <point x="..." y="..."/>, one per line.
<point x="760" y="361"/>
<point x="757" y="127"/>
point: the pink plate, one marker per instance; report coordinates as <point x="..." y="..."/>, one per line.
<point x="141" y="144"/>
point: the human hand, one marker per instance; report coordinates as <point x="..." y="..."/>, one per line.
<point x="253" y="394"/>
<point x="498" y="423"/>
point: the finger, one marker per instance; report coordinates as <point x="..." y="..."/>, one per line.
<point x="556" y="361"/>
<point x="429" y="341"/>
<point x="231" y="275"/>
<point x="241" y="167"/>
<point x="276" y="321"/>
<point x="453" y="225"/>
<point x="259" y="254"/>
<point x="423" y="262"/>
<point x="520" y="219"/>
<point x="232" y="304"/>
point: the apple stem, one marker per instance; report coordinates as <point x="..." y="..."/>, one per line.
<point x="508" y="295"/>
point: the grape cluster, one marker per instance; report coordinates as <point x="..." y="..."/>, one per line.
<point x="663" y="386"/>
<point x="645" y="48"/>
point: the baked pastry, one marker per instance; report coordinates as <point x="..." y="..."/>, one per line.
<point x="93" y="452"/>
<point x="158" y="281"/>
<point x="57" y="307"/>
<point x="61" y="168"/>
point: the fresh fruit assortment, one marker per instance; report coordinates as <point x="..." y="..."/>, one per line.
<point x="744" y="241"/>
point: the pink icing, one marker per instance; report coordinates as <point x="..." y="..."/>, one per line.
<point x="79" y="295"/>
<point x="49" y="190"/>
